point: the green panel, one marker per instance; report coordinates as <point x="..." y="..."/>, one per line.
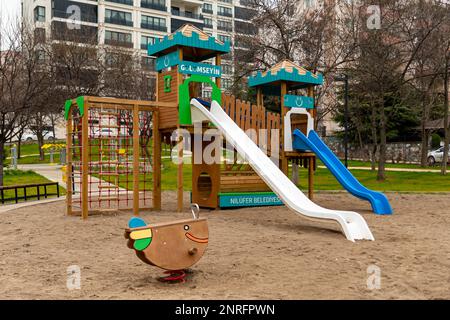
<point x="184" y="101"/>
<point x="67" y="106"/>
<point x="254" y="199"/>
<point x="141" y="244"/>
<point x="80" y="104"/>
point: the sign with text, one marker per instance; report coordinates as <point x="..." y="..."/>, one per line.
<point x="292" y="101"/>
<point x="169" y="60"/>
<point x="249" y="200"/>
<point x="203" y="69"/>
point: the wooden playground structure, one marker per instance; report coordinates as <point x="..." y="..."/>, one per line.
<point x="114" y="145"/>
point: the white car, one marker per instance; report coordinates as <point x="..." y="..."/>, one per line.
<point x="30" y="136"/>
<point x="436" y="156"/>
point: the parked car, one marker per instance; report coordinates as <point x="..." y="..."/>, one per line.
<point x="30" y="136"/>
<point x="436" y="156"/>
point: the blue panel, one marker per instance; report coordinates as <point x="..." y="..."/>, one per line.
<point x="136" y="223"/>
<point x="178" y="39"/>
<point x="292" y="101"/>
<point x="380" y="203"/>
<point x="233" y="200"/>
<point x="169" y="60"/>
<point x="283" y="75"/>
<point x="202" y="69"/>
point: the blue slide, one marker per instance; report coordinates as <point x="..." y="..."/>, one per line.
<point x="380" y="203"/>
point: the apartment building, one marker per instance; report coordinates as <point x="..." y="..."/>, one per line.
<point x="134" y="24"/>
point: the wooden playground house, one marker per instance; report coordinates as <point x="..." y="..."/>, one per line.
<point x="114" y="161"/>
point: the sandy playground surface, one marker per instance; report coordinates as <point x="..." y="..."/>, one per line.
<point x="263" y="253"/>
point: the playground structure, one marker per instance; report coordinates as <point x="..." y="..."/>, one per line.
<point x="114" y="162"/>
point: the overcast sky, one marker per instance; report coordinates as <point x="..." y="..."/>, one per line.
<point x="9" y="11"/>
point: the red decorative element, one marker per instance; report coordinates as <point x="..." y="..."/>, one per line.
<point x="175" y="276"/>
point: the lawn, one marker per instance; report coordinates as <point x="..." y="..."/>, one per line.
<point x="324" y="180"/>
<point x="18" y="177"/>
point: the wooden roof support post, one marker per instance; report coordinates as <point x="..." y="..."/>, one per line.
<point x="85" y="162"/>
<point x="156" y="162"/>
<point x="218" y="63"/>
<point x="136" y="150"/>
<point x="180" y="151"/>
<point x="284" y="160"/>
<point x="69" y="173"/>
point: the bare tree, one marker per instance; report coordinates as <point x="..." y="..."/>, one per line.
<point x="20" y="82"/>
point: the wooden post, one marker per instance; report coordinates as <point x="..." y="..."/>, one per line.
<point x="218" y="63"/>
<point x="180" y="153"/>
<point x="85" y="161"/>
<point x="284" y="160"/>
<point x="313" y="111"/>
<point x="136" y="160"/>
<point x="156" y="162"/>
<point x="69" y="146"/>
<point x="311" y="177"/>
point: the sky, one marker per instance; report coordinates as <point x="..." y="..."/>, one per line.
<point x="9" y="11"/>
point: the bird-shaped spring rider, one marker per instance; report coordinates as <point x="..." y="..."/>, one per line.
<point x="172" y="246"/>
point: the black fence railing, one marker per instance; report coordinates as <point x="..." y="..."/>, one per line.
<point x="37" y="187"/>
<point x="186" y="14"/>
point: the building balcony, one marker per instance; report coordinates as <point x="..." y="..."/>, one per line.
<point x="119" y="43"/>
<point x="176" y="24"/>
<point x="149" y="26"/>
<point x="188" y="15"/>
<point x="121" y="22"/>
<point x="154" y="6"/>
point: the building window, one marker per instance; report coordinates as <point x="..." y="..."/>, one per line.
<point x="154" y="4"/>
<point x="227" y="69"/>
<point x="39" y="35"/>
<point x="227" y="83"/>
<point x="226" y="1"/>
<point x="207" y="8"/>
<point x="208" y="23"/>
<point x="148" y="64"/>
<point x="146" y="40"/>
<point x="118" y="17"/>
<point x="128" y="2"/>
<point x="153" y="23"/>
<point x="224" y="25"/>
<point x="39" y="14"/>
<point x="118" y="39"/>
<point x="224" y="11"/>
<point x="224" y="38"/>
<point x="244" y="13"/>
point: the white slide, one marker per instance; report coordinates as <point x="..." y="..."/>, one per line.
<point x="353" y="225"/>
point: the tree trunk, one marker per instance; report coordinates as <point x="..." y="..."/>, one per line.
<point x="446" y="124"/>
<point x="19" y="143"/>
<point x="2" y="159"/>
<point x="381" y="176"/>
<point x="424" y="134"/>
<point x="374" y="139"/>
<point x="295" y="173"/>
<point x="40" y="138"/>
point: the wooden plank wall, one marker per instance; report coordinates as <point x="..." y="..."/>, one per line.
<point x="168" y="117"/>
<point x="248" y="116"/>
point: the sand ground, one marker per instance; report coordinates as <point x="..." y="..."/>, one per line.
<point x="262" y="253"/>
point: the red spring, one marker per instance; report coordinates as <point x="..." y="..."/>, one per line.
<point x="175" y="276"/>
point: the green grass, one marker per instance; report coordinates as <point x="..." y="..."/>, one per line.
<point x="18" y="177"/>
<point x="30" y="153"/>
<point x="395" y="181"/>
<point x="324" y="180"/>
